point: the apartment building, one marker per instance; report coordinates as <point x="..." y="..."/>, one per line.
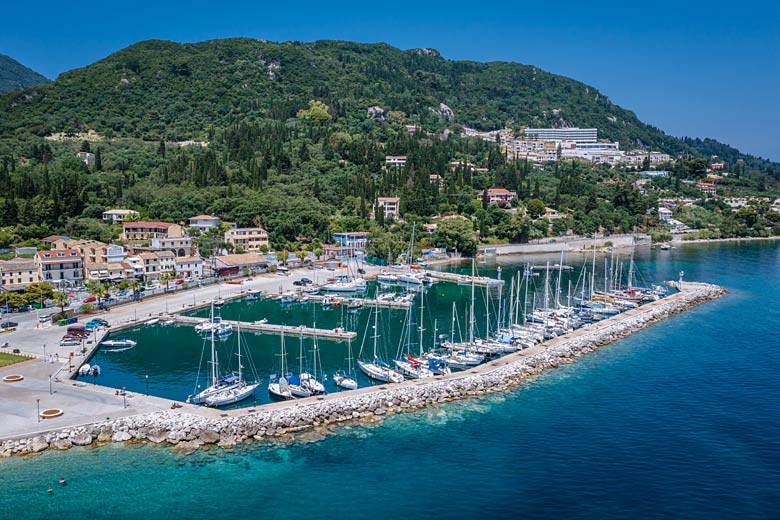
<point x="250" y="239"/>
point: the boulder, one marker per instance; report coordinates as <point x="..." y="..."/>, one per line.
<point x="81" y="439"/>
<point x="61" y="444"/>
<point x="121" y="437"/>
<point x="39" y="444"/>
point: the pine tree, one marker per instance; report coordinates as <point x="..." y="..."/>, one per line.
<point x="98" y="160"/>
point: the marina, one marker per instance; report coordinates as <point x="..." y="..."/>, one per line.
<point x="391" y="337"/>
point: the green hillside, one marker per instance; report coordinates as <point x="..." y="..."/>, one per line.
<point x="161" y="89"/>
<point x="14" y="75"/>
<point x="298" y="135"/>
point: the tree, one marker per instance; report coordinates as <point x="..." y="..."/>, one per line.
<point x="318" y="112"/>
<point x="135" y="286"/>
<point x="85" y="146"/>
<point x="536" y="208"/>
<point x="97" y="289"/>
<point x="167" y="277"/>
<point x="98" y="160"/>
<point x="61" y="299"/>
<point x="456" y="234"/>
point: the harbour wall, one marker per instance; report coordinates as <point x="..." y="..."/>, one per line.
<point x="191" y="430"/>
<point x="569" y="244"/>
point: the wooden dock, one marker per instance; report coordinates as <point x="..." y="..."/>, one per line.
<point x="271" y="328"/>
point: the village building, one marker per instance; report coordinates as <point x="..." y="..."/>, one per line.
<point x="250" y="239"/>
<point x="115" y="216"/>
<point x="18" y="273"/>
<point x="61" y="266"/>
<point x="204" y="222"/>
<point x="499" y="196"/>
<point x="390" y="205"/>
<point x="189" y="267"/>
<point x="144" y="231"/>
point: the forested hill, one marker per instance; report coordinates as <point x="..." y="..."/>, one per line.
<point x="14" y="75"/>
<point x="164" y="90"/>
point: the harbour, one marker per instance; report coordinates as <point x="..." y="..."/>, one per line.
<point x="143" y="403"/>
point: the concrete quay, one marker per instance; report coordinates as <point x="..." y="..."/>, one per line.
<point x="271" y="328"/>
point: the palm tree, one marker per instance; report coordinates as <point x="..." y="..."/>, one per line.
<point x="168" y="277"/>
<point x="61" y="299"/>
<point x="97" y="289"/>
<point x="135" y="286"/>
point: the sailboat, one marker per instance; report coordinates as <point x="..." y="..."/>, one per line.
<point x="305" y="384"/>
<point x="347" y="379"/>
<point x="281" y="388"/>
<point x="411" y="367"/>
<point x="377" y="369"/>
<point x="218" y="384"/>
<point x="237" y="392"/>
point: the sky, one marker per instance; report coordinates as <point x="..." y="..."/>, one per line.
<point x="690" y="68"/>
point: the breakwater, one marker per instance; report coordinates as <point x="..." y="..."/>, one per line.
<point x="190" y="429"/>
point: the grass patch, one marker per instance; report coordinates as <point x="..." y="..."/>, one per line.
<point x="11" y="359"/>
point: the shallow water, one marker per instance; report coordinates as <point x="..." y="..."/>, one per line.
<point x="679" y="420"/>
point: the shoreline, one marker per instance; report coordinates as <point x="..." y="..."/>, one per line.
<point x="192" y="428"/>
<point x="716" y="240"/>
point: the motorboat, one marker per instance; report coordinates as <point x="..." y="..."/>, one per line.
<point x="120" y="342"/>
<point x="153" y="321"/>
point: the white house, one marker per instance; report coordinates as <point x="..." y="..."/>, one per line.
<point x="664" y="214"/>
<point x="115" y="216"/>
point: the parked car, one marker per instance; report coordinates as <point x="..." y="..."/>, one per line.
<point x="8" y="325"/>
<point x="306" y="281"/>
<point x="298" y="283"/>
<point x="5" y="309"/>
<point x="90" y="299"/>
<point x="179" y="281"/>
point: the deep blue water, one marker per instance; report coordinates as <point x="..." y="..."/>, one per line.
<point x="681" y="420"/>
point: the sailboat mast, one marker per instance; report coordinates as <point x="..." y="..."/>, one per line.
<point x="422" y="323"/>
<point x="547" y="286"/>
<point x="631" y="263"/>
<point x="471" y="317"/>
<point x="213" y="350"/>
<point x="238" y="328"/>
<point x="500" y="300"/>
<point x="558" y="289"/>
<point x="376" y="331"/>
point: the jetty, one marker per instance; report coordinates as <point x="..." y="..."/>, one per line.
<point x="464" y="279"/>
<point x="272" y="328"/>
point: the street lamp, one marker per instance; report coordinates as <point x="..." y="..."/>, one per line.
<point x="38" y="407"/>
<point x="44" y="353"/>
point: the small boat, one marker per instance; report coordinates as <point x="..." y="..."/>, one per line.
<point x="260" y="322"/>
<point x="84" y="369"/>
<point x="330" y="301"/>
<point x="153" y="321"/>
<point x="386" y="277"/>
<point x="167" y="323"/>
<point x="219" y="302"/>
<point x="355" y="304"/>
<point x="234" y="282"/>
<point x="251" y="296"/>
<point x="95" y="370"/>
<point x="120" y="342"/>
<point x="312" y="290"/>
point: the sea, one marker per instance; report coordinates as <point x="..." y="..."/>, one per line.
<point x="680" y="420"/>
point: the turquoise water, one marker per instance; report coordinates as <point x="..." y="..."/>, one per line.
<point x="680" y="420"/>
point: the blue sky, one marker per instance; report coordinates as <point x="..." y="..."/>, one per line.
<point x="704" y="69"/>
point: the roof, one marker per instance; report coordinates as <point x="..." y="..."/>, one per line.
<point x="120" y="212"/>
<point x="53" y="255"/>
<point x="352" y="233"/>
<point x="188" y="259"/>
<point x="388" y="199"/>
<point x="53" y="238"/>
<point x="147" y="224"/>
<point x="17" y="264"/>
<point x="204" y="217"/>
<point x="241" y="259"/>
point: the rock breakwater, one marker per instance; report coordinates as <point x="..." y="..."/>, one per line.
<point x="189" y="430"/>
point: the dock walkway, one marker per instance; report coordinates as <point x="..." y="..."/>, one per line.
<point x="271" y="328"/>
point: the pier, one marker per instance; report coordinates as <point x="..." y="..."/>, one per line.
<point x="271" y="328"/>
<point x="463" y="279"/>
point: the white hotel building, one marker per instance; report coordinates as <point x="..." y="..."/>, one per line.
<point x="577" y="135"/>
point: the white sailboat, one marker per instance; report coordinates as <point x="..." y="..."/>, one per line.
<point x="237" y="392"/>
<point x="377" y="369"/>
<point x="280" y="389"/>
<point x="218" y="384"/>
<point x="347" y="379"/>
<point x="409" y="366"/>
